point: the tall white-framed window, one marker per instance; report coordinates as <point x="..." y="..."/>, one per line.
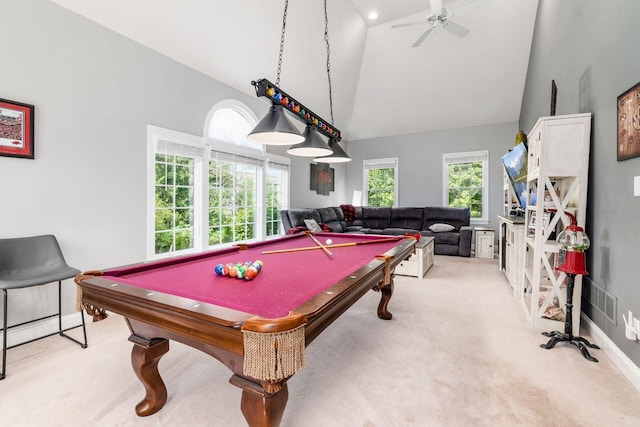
<point x="174" y="163"/>
<point x="466" y="183"/>
<point x="277" y="196"/>
<point x="380" y="178"/>
<point x="213" y="190"/>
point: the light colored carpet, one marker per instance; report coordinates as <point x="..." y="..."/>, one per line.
<point x="458" y="352"/>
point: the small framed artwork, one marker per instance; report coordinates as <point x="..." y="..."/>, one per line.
<point x="629" y="123"/>
<point x="16" y="129"/>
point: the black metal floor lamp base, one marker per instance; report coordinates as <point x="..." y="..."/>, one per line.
<point x="567" y="335"/>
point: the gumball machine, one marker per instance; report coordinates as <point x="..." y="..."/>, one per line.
<point x="573" y="243"/>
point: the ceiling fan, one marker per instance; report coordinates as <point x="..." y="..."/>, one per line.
<point x="440" y="17"/>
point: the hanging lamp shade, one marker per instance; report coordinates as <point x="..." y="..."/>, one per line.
<point x="313" y="146"/>
<point x="338" y="155"/>
<point x="275" y="129"/>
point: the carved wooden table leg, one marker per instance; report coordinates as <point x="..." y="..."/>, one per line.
<point x="386" y="292"/>
<point x="262" y="407"/>
<point x="145" y="356"/>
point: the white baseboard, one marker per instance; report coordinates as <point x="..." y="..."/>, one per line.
<point x="32" y="331"/>
<point x="619" y="359"/>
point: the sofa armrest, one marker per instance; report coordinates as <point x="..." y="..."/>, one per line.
<point x="286" y="222"/>
<point x="465" y="240"/>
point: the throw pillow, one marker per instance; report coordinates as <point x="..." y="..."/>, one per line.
<point x="349" y="212"/>
<point x="312" y="225"/>
<point x="439" y="228"/>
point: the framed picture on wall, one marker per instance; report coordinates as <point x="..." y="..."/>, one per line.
<point x="16" y="129"/>
<point x="629" y="123"/>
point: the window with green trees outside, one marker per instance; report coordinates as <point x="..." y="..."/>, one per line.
<point x="174" y="216"/>
<point x="466" y="182"/>
<point x="381" y="182"/>
<point x="381" y="187"/>
<point x="213" y="190"/>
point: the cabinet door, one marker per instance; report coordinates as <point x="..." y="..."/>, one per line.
<point x="484" y="244"/>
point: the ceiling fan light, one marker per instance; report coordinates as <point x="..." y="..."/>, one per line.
<point x="275" y="129"/>
<point x="313" y="146"/>
<point x="338" y="155"/>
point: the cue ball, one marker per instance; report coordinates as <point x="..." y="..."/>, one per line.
<point x="329" y="241"/>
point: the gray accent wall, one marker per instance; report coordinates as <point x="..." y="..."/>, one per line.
<point x="420" y="162"/>
<point x="590" y="49"/>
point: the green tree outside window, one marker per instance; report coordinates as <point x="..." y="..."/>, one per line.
<point x="381" y="191"/>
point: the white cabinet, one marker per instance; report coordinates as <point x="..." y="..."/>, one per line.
<point x="511" y="250"/>
<point x="421" y="261"/>
<point x="558" y="164"/>
<point x="484" y="242"/>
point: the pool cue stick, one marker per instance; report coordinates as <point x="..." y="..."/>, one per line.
<point x="324" y="248"/>
<point x="337" y="245"/>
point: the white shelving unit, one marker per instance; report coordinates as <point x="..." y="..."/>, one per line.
<point x="556" y="185"/>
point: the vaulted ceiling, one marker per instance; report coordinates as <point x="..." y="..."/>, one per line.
<point x="381" y="85"/>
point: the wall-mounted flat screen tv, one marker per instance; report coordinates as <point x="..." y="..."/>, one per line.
<point x="515" y="163"/>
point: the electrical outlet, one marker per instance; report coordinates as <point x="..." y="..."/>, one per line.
<point x="631" y="326"/>
<point x="636" y="186"/>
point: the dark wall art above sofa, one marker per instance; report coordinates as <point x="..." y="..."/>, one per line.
<point x="322" y="178"/>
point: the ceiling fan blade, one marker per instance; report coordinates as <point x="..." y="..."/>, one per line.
<point x="436" y="7"/>
<point x="456" y="29"/>
<point x="409" y="24"/>
<point x="423" y="36"/>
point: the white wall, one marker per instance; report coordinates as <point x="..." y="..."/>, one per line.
<point x="94" y="93"/>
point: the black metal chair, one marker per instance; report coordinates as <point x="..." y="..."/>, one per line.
<point x="33" y="261"/>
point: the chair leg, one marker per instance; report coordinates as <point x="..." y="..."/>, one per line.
<point x="4" y="337"/>
<point x="62" y="331"/>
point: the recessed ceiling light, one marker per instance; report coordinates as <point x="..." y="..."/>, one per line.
<point x="373" y="15"/>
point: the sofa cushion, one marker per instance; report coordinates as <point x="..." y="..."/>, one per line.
<point x="448" y="238"/>
<point x="376" y="217"/>
<point x="372" y="230"/>
<point x="297" y="216"/>
<point x="409" y="218"/>
<point x="444" y="238"/>
<point x="332" y="219"/>
<point x="445" y="215"/>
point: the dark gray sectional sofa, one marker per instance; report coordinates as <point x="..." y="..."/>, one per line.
<point x="392" y="221"/>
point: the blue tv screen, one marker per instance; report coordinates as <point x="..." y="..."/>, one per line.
<point x="515" y="163"/>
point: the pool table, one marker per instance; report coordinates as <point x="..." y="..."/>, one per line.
<point x="258" y="328"/>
